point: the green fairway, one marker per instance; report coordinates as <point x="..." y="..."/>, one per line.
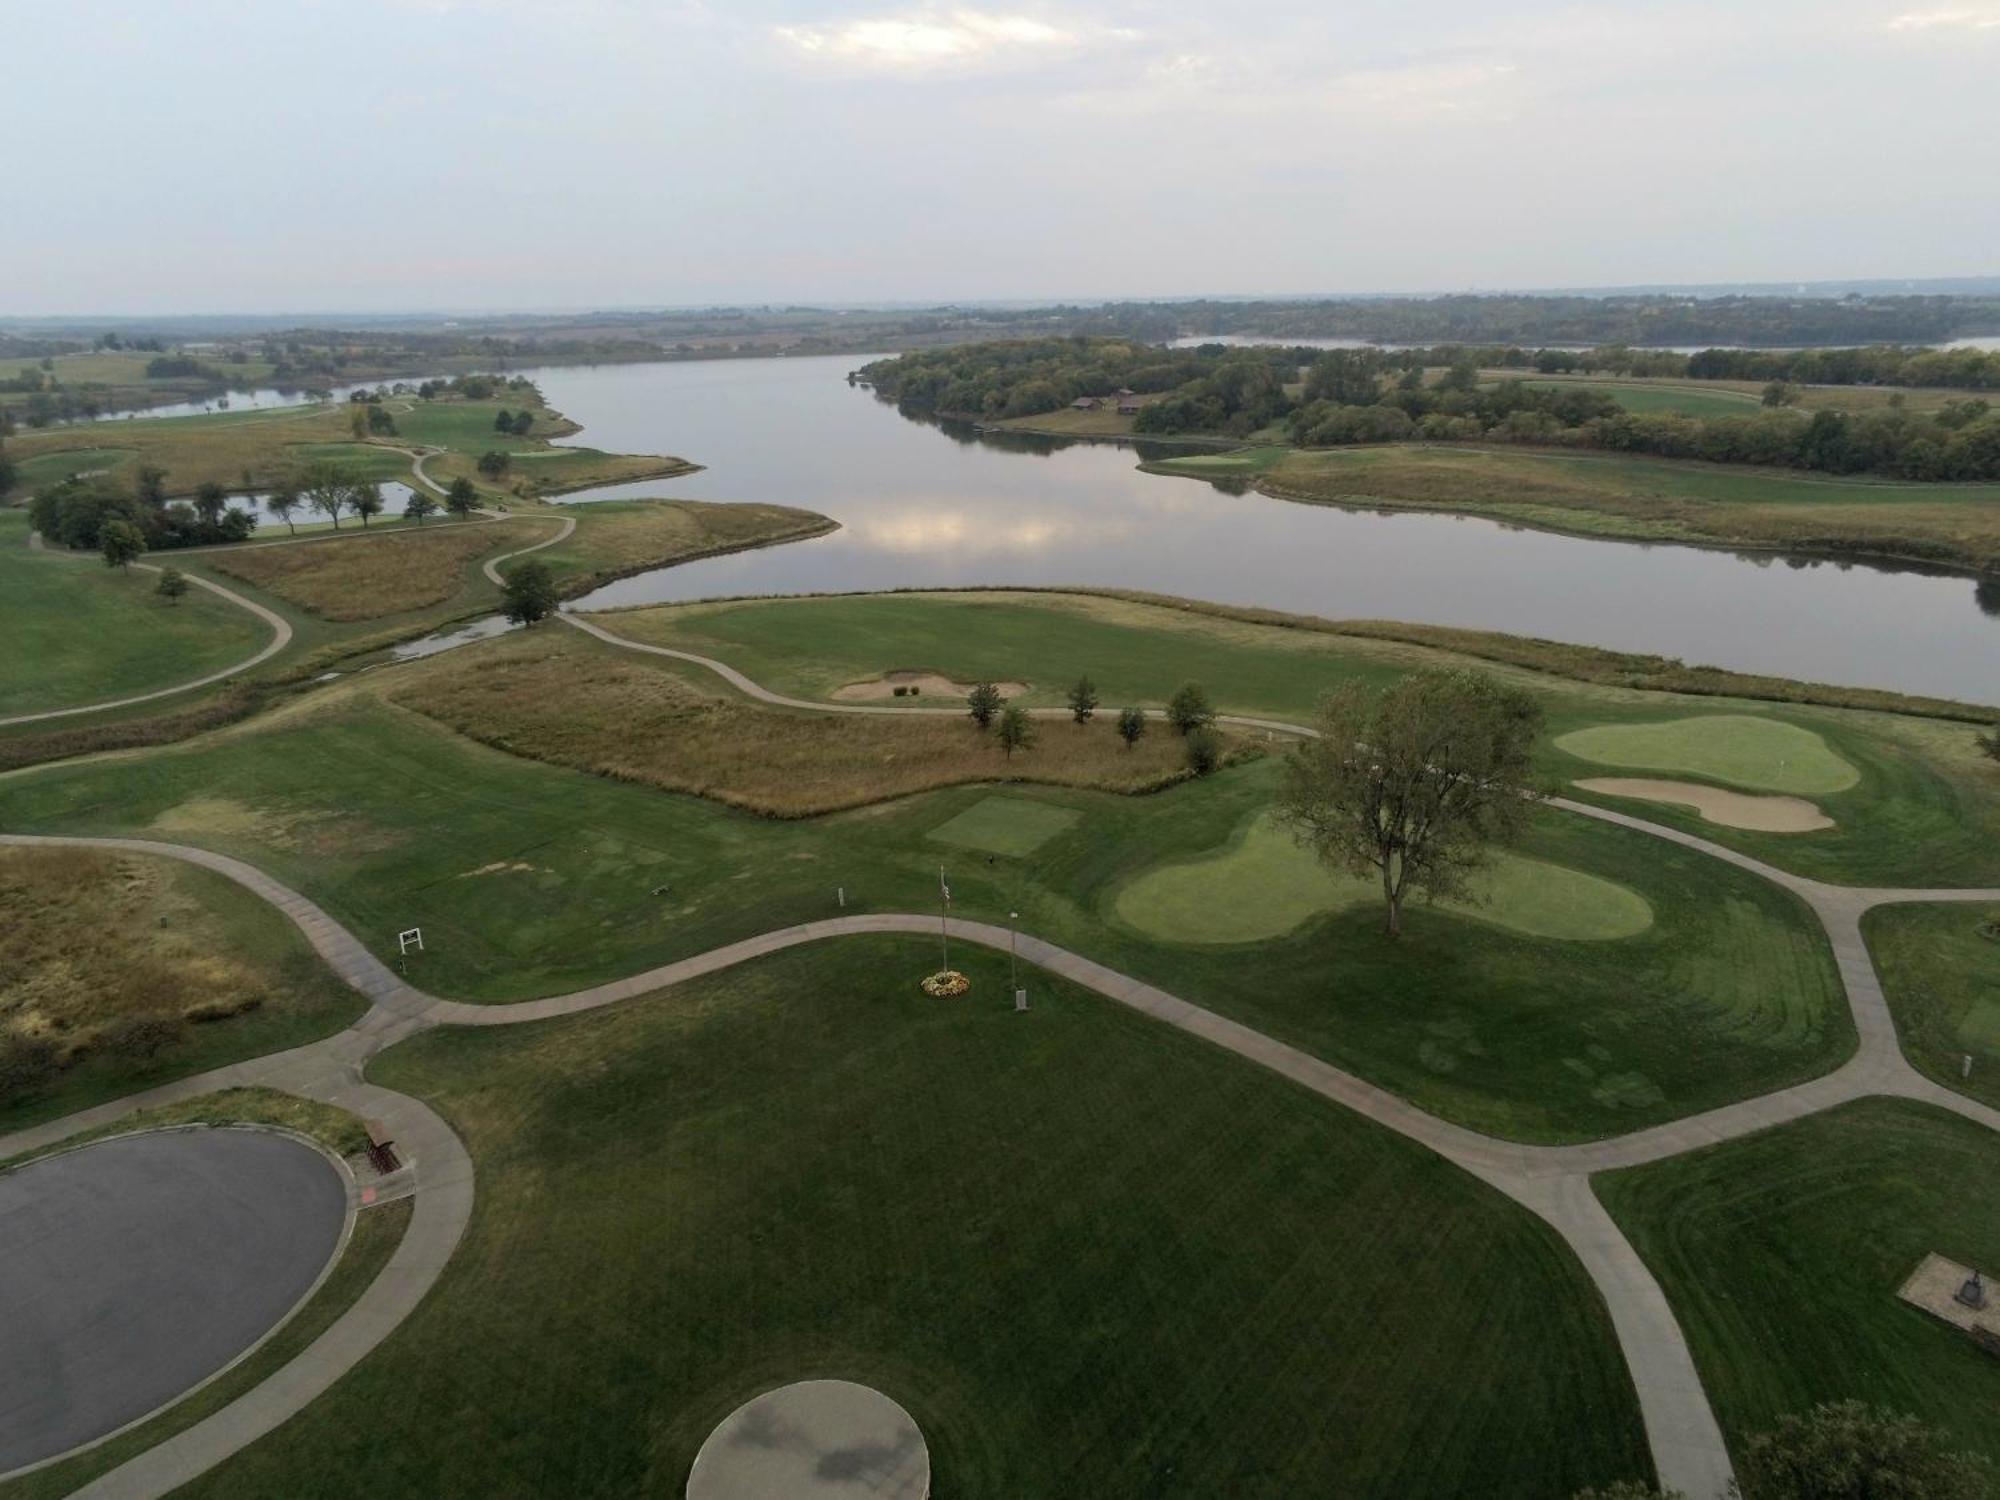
<point x="1941" y="972"/>
<point x="1004" y="825"/>
<point x="1782" y="1254"/>
<point x="363" y="460"/>
<point x="1682" y="400"/>
<point x="1920" y="806"/>
<point x="1265" y="885"/>
<point x="39" y="473"/>
<point x="79" y="632"/>
<point x="1236" y="463"/>
<point x="1761" y="754"/>
<point x="528" y="880"/>
<point x="1646" y="499"/>
<point x="1091" y="1256"/>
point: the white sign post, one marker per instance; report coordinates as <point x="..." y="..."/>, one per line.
<point x="414" y="938"/>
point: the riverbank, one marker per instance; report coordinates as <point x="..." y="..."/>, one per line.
<point x="1612" y="497"/>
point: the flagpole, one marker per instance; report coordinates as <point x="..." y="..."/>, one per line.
<point x="944" y="906"/>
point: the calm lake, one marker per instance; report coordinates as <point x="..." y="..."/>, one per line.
<point x="920" y="507"/>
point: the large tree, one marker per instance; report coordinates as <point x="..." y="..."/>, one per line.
<point x="529" y="593"/>
<point x="1413" y="782"/>
<point x="1844" y="1451"/>
<point x="121" y="544"/>
<point x="327" y="488"/>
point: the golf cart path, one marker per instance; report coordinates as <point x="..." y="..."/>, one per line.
<point x="1552" y="1181"/>
<point x="281" y="629"/>
<point x="281" y="637"/>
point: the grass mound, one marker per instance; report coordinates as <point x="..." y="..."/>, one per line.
<point x="616" y="538"/>
<point x="1266" y="885"/>
<point x="78" y="632"/>
<point x="1941" y="973"/>
<point x="363" y="577"/>
<point x="556" y="696"/>
<point x="1782" y="1254"/>
<point x="117" y="969"/>
<point x="1028" y="1229"/>
<point x="1746" y="750"/>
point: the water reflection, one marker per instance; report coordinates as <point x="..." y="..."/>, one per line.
<point x="920" y="506"/>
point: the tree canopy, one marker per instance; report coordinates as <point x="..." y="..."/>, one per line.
<point x="1412" y="783"/>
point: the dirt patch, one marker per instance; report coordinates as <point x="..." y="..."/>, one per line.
<point x="500" y="867"/>
<point x="316" y="831"/>
<point x="926" y="685"/>
<point x="1730" y="809"/>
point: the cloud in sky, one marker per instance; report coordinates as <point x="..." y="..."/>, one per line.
<point x="1974" y="18"/>
<point x="932" y="39"/>
<point x="564" y="153"/>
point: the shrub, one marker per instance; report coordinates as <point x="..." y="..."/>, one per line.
<point x="1204" y="750"/>
<point x="1189" y="708"/>
<point x="142" y="1036"/>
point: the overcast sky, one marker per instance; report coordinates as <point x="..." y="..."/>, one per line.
<point x="351" y="155"/>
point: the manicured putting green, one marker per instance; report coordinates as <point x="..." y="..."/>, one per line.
<point x="1766" y="755"/>
<point x="1004" y="825"/>
<point x="1265" y="885"/>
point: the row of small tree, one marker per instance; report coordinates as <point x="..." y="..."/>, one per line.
<point x="1188" y="710"/>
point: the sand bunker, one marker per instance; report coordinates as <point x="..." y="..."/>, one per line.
<point x="1730" y="809"/>
<point x="927" y="684"/>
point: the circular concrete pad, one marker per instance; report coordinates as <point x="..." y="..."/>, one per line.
<point x="134" y="1269"/>
<point x="817" y="1440"/>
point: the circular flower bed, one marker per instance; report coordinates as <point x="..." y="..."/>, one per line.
<point x="946" y="983"/>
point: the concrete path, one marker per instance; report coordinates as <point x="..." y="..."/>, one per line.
<point x="491" y="567"/>
<point x="281" y="637"/>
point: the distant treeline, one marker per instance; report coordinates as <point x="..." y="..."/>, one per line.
<point x="1348" y="396"/>
<point x="1636" y="319"/>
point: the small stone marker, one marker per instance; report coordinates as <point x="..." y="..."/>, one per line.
<point x="1957" y="1295"/>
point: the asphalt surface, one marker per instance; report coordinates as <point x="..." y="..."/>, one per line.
<point x="133" y="1269"/>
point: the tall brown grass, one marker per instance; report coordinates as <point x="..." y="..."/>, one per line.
<point x="568" y="703"/>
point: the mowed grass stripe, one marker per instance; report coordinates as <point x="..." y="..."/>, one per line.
<point x="1782" y="1254"/>
<point x="1091" y="1255"/>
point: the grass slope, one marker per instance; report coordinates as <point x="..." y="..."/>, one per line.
<point x="1925" y="809"/>
<point x="615" y="538"/>
<point x="1092" y="1256"/>
<point x="561" y="697"/>
<point x="362" y="577"/>
<point x="78" y="632"/>
<point x="92" y="942"/>
<point x="529" y="879"/>
<point x="1782" y="1254"/>
<point x="1660" y="500"/>
<point x="1940" y="968"/>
